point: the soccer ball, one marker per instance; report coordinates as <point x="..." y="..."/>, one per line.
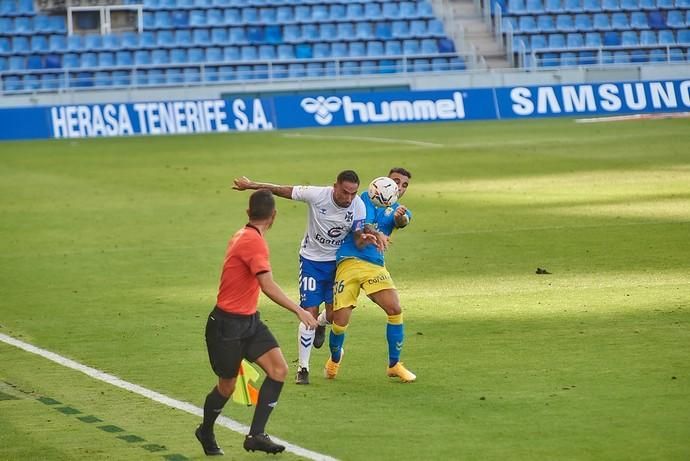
<point x="383" y="192"/>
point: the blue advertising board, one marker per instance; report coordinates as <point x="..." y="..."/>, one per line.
<point x="324" y="109"/>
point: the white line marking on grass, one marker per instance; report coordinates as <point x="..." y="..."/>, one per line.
<point x="153" y="395"/>
<point x="365" y="138"/>
<point x="619" y="118"/>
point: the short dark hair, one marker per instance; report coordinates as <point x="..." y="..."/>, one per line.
<point x="401" y="171"/>
<point x="348" y="176"/>
<point x="261" y="204"/>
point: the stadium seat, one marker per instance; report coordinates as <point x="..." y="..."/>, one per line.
<point x="173" y="76"/>
<point x="88" y="59"/>
<point x="266" y="52"/>
<point x="231" y="54"/>
<point x="383" y="31"/>
<point x="601" y="22"/>
<point x="303" y="13"/>
<point x="201" y="37"/>
<point x="166" y="38"/>
<point x="591" y="6"/>
<point x="34" y="62"/>
<point x="191" y="75"/>
<point x="421" y="65"/>
<point x="339" y="50"/>
<point x="213" y="54"/>
<point x="216" y="17"/>
<point x="545" y="23"/>
<point x="411" y="47"/>
<point x="639" y="56"/>
<point x="327" y="31"/>
<point x="180" y="18"/>
<point x="155" y="77"/>
<point x="538" y="41"/>
<point x="237" y="35"/>
<point x="142" y="57"/>
<point x="674" y="19"/>
<point x="321" y="50"/>
<point x="320" y="12"/>
<point x="446" y="45"/>
<point x="684" y="36"/>
<point x="178" y="55"/>
<point x="52" y="61"/>
<point x="160" y="56"/>
<point x="20" y="44"/>
<point x="612" y="38"/>
<point x="374" y="48"/>
<point x="372" y="10"/>
<point x="569" y="59"/>
<point x="123" y="58"/>
<point x="418" y="28"/>
<point x="587" y="58"/>
<point x="630" y="5"/>
<point x="648" y="37"/>
<point x="315" y="69"/>
<point x="550" y="60"/>
<point x="364" y="30"/>
<point x="408" y="10"/>
<point x="162" y="19"/>
<point x="393" y="48"/>
<point x="111" y="42"/>
<point x="435" y="28"/>
<point x="400" y="29"/>
<point x="303" y="51"/>
<point x="354" y="11"/>
<point x="232" y="16"/>
<point x="677" y="54"/>
<point x="610" y="5"/>
<point x="52" y="81"/>
<point x="273" y="34"/>
<point x="147" y="39"/>
<point x="516" y="7"/>
<point x="619" y="21"/>
<point x="337" y="11"/>
<point x="656" y="20"/>
<point x="565" y="23"/>
<point x="284" y="14"/>
<point x="196" y="55"/>
<point x="249" y="53"/>
<point x="573" y="6"/>
<point x="649" y="5"/>
<point x="638" y="20"/>
<point x="553" y="6"/>
<point x="310" y="32"/>
<point x="583" y="22"/>
<point x="346" y="30"/>
<point x="556" y="41"/>
<point x="429" y="46"/>
<point x="621" y="57"/>
<point x="297" y="70"/>
<point x="31" y="82"/>
<point x="666" y="37"/>
<point x="106" y="59"/>
<point x="70" y="60"/>
<point x="23" y="25"/>
<point x="102" y="78"/>
<point x="440" y="64"/>
<point x="391" y="10"/>
<point x="425" y="10"/>
<point x="57" y="43"/>
<point x="219" y="36"/>
<point x="629" y="38"/>
<point x="575" y="40"/>
<point x="534" y="6"/>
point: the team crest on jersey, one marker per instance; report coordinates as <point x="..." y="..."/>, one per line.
<point x="349" y="216"/>
<point x="322" y="211"/>
<point x="388" y="211"/>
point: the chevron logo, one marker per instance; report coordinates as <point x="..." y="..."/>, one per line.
<point x="305" y="341"/>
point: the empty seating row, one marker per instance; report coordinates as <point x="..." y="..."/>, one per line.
<point x="319" y="50"/>
<point x="287" y="14"/>
<point x="588" y="6"/>
<point x="189" y="4"/>
<point x="598" y="21"/>
<point x="28" y="25"/>
<point x="16" y="8"/>
<point x="604" y="57"/>
<point x="596" y="40"/>
<point x="193" y="75"/>
<point x="38" y="43"/>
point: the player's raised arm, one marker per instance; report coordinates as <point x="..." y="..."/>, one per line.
<point x="271" y="289"/>
<point x="244" y="183"/>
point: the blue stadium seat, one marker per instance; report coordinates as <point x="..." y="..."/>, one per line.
<point x="315" y="69"/>
<point x="656" y="20"/>
<point x="573" y="6"/>
<point x="191" y="75"/>
<point x="630" y="5"/>
<point x="375" y="48"/>
<point x="231" y="53"/>
<point x="34" y="62"/>
<point x="250" y="15"/>
<point x="93" y="42"/>
<point x="435" y="28"/>
<point x="179" y="18"/>
<point x="440" y="64"/>
<point x="52" y="81"/>
<point x="197" y="18"/>
<point x="550" y="60"/>
<point x="337" y="12"/>
<point x="516" y="7"/>
<point x="556" y="41"/>
<point x="408" y="10"/>
<point x="322" y="50"/>
<point x="17" y="63"/>
<point x="621" y="57"/>
<point x="684" y="4"/>
<point x="446" y="45"/>
<point x="383" y="30"/>
<point x="339" y="50"/>
<point x="346" y="30"/>
<point x="357" y="49"/>
<point x="629" y="38"/>
<point x="587" y="58"/>
<point x="111" y="42"/>
<point x="667" y="37"/>
<point x="677" y="54"/>
<point x="574" y="40"/>
<point x="638" y="20"/>
<point x="429" y="46"/>
<point x="160" y="56"/>
<point x="196" y="55"/>
<point x="129" y="40"/>
<point x="674" y="19"/>
<point x="219" y="36"/>
<point x="619" y="21"/>
<point x="155" y="76"/>
<point x="418" y="28"/>
<point x="297" y="70"/>
<point x="328" y="31"/>
<point x="237" y="35"/>
<point x="88" y="59"/>
<point x="226" y="73"/>
<point x="303" y="51"/>
<point x="255" y="34"/>
<point x="292" y="33"/>
<point x="267" y="53"/>
<point x="591" y="6"/>
<point x="411" y="47"/>
<point x="178" y="55"/>
<point x="393" y="48"/>
<point x="162" y="19"/>
<point x="284" y="14"/>
<point x="354" y="11"/>
<point x="527" y="24"/>
<point x="124" y="58"/>
<point x="320" y="12"/>
<point x="26" y="7"/>
<point x="122" y="78"/>
<point x="665" y="4"/>
<point x="166" y="38"/>
<point x="510" y="23"/>
<point x="553" y="6"/>
<point x="612" y="38"/>
<point x="639" y="56"/>
<point x="364" y="30"/>
<point x="273" y="34"/>
<point x="684" y="36"/>
<point x="232" y="16"/>
<point x="310" y="31"/>
<point x="303" y="13"/>
<point x="31" y="82"/>
<point x="149" y="20"/>
<point x="57" y="43"/>
<point x="201" y="37"/>
<point x="424" y="9"/>
<point x="142" y="57"/>
<point x="534" y="6"/>
<point x="537" y="41"/>
<point x="147" y="39"/>
<point x="214" y="54"/>
<point x="41" y="24"/>
<point x="106" y="59"/>
<point x="601" y="21"/>
<point x="648" y="37"/>
<point x="391" y="10"/>
<point x="421" y="65"/>
<point x="70" y="60"/>
<point x="173" y="76"/>
<point x="649" y="5"/>
<point x="20" y="44"/>
<point x="268" y="15"/>
<point x="23" y="25"/>
<point x="400" y="29"/>
<point x="5" y="45"/>
<point x="216" y="17"/>
<point x="372" y="10"/>
<point x="568" y="59"/>
<point x="52" y="61"/>
<point x="583" y="22"/>
<point x="658" y="55"/>
<point x="610" y="5"/>
<point x="249" y="53"/>
<point x="565" y="23"/>
<point x="545" y="23"/>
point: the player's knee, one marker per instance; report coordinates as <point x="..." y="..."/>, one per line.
<point x="392" y="309"/>
<point x="395" y="319"/>
<point x="226" y="387"/>
<point x="278" y="371"/>
<point x="338" y="329"/>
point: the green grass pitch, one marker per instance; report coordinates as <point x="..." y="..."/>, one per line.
<point x="110" y="252"/>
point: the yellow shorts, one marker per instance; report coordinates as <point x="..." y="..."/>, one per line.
<point x="353" y="275"/>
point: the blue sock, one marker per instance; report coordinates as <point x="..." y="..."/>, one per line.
<point x="335" y="343"/>
<point x="395" y="335"/>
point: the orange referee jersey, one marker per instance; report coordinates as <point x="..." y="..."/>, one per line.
<point x="246" y="257"/>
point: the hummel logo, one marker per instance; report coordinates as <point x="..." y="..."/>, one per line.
<point x="321" y="108"/>
<point x="273" y="404"/>
<point x="398" y="345"/>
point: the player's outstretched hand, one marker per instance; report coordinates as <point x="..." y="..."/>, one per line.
<point x="242" y="183"/>
<point x="307" y="319"/>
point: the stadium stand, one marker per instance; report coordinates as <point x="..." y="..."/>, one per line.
<point x="193" y="41"/>
<point x="590" y="32"/>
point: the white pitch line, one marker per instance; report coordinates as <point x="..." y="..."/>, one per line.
<point x="365" y="138"/>
<point x="153" y="395"/>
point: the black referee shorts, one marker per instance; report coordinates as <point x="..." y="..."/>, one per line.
<point x="231" y="338"/>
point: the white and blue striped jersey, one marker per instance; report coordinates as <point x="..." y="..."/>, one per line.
<point x="327" y="223"/>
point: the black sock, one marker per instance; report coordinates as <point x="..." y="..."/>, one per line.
<point x="268" y="397"/>
<point x="212" y="407"/>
